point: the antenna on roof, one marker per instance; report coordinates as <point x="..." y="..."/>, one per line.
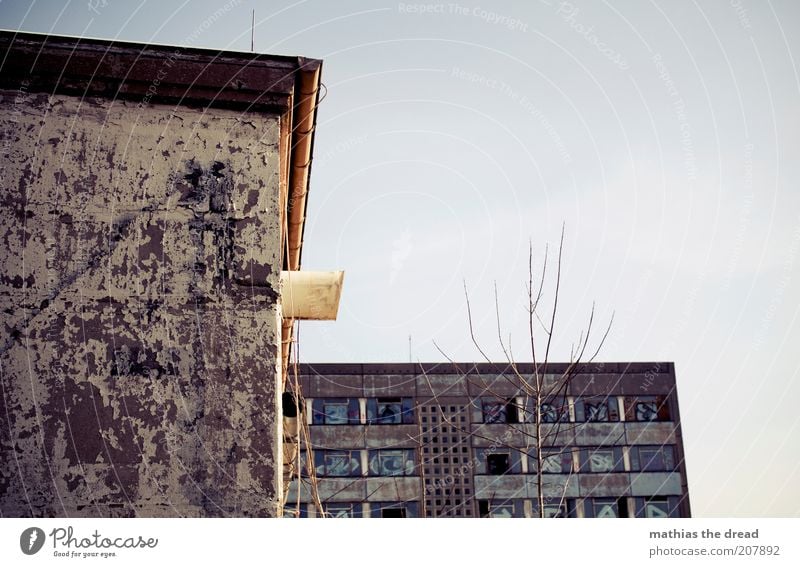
<point x="409" y="348"/>
<point x="252" y="30"/>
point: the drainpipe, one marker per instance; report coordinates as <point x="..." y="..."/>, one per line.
<point x="302" y="139"/>
<point x="304" y="117"/>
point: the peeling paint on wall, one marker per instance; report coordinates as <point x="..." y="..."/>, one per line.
<point x="139" y="279"/>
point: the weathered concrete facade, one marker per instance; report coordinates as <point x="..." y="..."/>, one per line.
<point x="143" y="224"/>
<point x="465" y="443"/>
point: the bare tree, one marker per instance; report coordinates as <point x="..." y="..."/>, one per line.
<point x="543" y="393"/>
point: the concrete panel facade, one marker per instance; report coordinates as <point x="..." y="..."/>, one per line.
<point x="617" y="449"/>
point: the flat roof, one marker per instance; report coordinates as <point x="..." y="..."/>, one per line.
<point x="311" y="368"/>
<point x="168" y="74"/>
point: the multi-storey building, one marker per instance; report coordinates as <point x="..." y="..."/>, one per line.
<point x="433" y="440"/>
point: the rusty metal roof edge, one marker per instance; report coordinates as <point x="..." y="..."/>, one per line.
<point x="244" y="81"/>
<point x="113" y="45"/>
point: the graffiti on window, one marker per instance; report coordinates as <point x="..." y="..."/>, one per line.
<point x="602" y="459"/>
<point x="390" y="411"/>
<point x="392" y="462"/>
<point x="335" y="411"/>
<point x="596" y="409"/>
<point x="337" y="463"/>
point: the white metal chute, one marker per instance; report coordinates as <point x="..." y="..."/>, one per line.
<point x="311" y="295"/>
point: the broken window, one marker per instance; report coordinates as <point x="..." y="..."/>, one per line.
<point x="555" y="460"/>
<point x="337" y="463"/>
<point x="389" y="411"/>
<point x="596" y="409"/>
<point x="394" y="509"/>
<point x="622" y="507"/>
<point x="652" y="458"/>
<point x="602" y="459"/>
<point x="498" y="461"/>
<point x="647" y="408"/>
<point x="336" y="411"/>
<point x="392" y="462"/>
<point x="499" y="411"/>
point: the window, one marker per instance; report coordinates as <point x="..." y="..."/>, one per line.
<point x="657" y="507"/>
<point x="647" y="408"/>
<point x="556" y="508"/>
<point x="343" y="509"/>
<point x="652" y="458"/>
<point x="499" y="411"/>
<point x="302" y="464"/>
<point x="602" y="460"/>
<point x="292" y="511"/>
<point x="394" y="509"/>
<point x="500" y="508"/>
<point x="555" y="460"/>
<point x="390" y="411"/>
<point x="498" y="461"/>
<point x="606" y="507"/>
<point x="392" y="462"/>
<point x="596" y="409"/>
<point x="335" y="411"/>
<point x="553" y="410"/>
<point x="337" y="463"/>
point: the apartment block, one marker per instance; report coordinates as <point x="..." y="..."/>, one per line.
<point x="460" y="440"/>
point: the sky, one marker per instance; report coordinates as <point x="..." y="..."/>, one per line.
<point x="663" y="136"/>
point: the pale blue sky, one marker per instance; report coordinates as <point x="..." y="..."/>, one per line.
<point x="665" y="135"/>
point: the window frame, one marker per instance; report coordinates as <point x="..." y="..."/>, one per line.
<point x="404" y="415"/>
<point x="321" y="417"/>
<point x="354" y="462"/>
<point x="609" y="402"/>
<point x="668" y="459"/>
<point x="660" y="412"/>
<point x="482" y="455"/>
<point x="564" y="455"/>
<point x="586" y="454"/>
<point x="409" y="465"/>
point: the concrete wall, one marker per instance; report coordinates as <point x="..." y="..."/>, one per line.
<point x="139" y="274"/>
